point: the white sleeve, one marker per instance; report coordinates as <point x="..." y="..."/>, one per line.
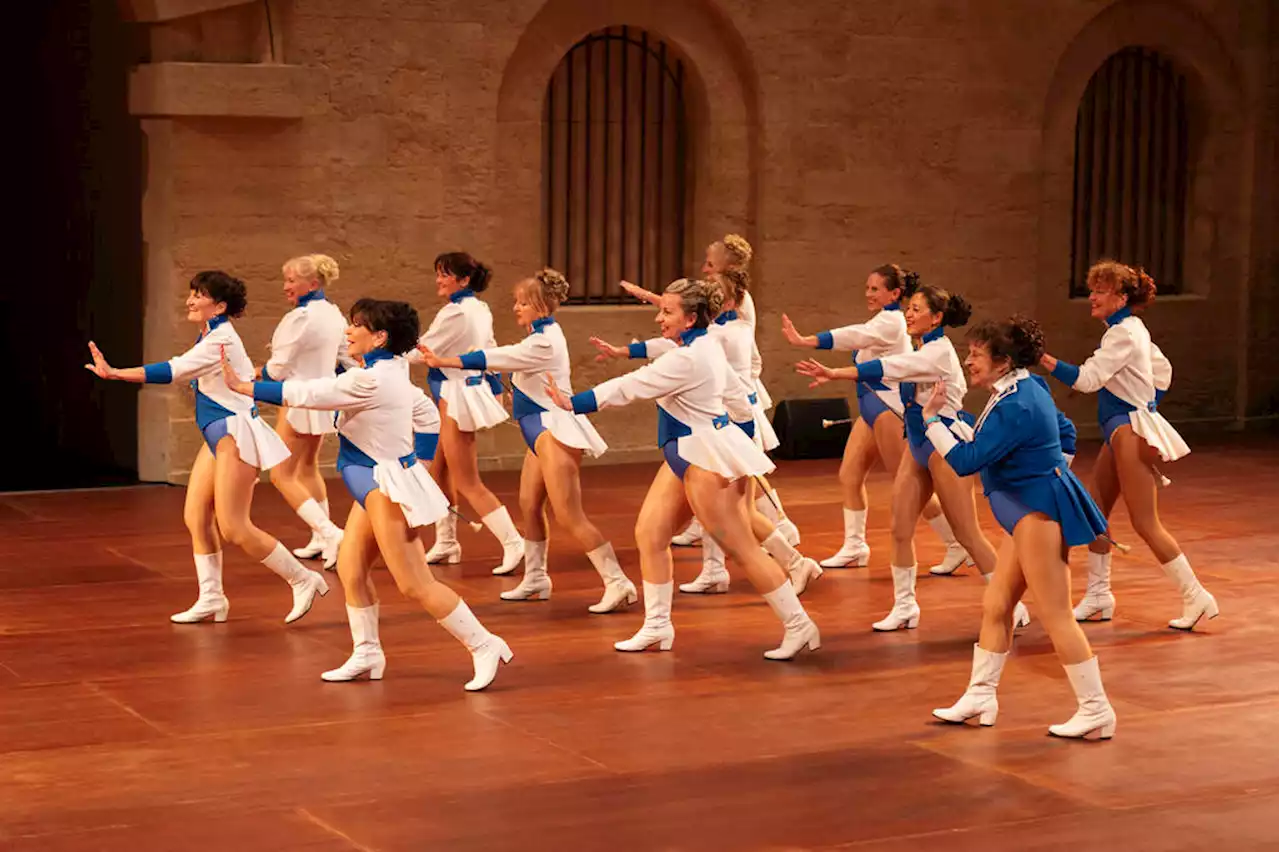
<point x="445" y="334"/>
<point x="655" y="346"/>
<point x="426" y="417"/>
<point x="925" y="364"/>
<point x="736" y="398"/>
<point x="285" y="345"/>
<point x="351" y="391"/>
<point x="1108" y="359"/>
<point x="747" y="311"/>
<point x="200" y="360"/>
<point x="1161" y="369"/>
<point x="532" y="353"/>
<point x="877" y="331"/>
<point x="660" y="378"/>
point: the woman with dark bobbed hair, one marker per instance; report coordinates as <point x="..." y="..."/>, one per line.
<point x="1017" y="449"/>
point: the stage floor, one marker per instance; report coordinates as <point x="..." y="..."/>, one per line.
<point x="121" y="731"/>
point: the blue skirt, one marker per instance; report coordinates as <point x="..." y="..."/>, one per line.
<point x="1062" y="497"/>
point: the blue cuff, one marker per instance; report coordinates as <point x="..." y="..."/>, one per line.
<point x="272" y="392"/>
<point x="1159" y="394"/>
<point x="585" y="402"/>
<point x="473" y="361"/>
<point x="1066" y="373"/>
<point x="158" y="374"/>
<point x="870" y="371"/>
<point x="424" y="445"/>
<point x="495" y="383"/>
<point x="266" y="377"/>
<point x="825" y="340"/>
<point x="637" y="350"/>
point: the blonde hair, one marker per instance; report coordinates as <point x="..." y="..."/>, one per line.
<point x="734" y="282"/>
<point x="738" y="249"/>
<point x="547" y="288"/>
<point x="317" y="267"/>
<point x="701" y="299"/>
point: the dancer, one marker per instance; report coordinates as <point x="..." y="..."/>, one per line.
<point x="708" y="464"/>
<point x="556" y="441"/>
<point x="735" y="337"/>
<point x="237" y="445"/>
<point x="308" y="344"/>
<point x="873" y="433"/>
<point x="1035" y="497"/>
<point x="1126" y="371"/>
<point x="921" y="471"/>
<point x="733" y="252"/>
<point x="468" y="403"/>
<point x="394" y="495"/>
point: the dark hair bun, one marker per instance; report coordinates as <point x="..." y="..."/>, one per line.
<point x="957" y="311"/>
<point x="222" y="287"/>
<point x="1026" y="341"/>
<point x="910" y="281"/>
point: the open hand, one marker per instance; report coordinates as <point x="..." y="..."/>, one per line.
<point x="429" y="358"/>
<point x="820" y="373"/>
<point x="99" y="367"/>
<point x="937" y="399"/>
<point x="789" y="332"/>
<point x="640" y="293"/>
<point x="557" y="395"/>
<point x="608" y="350"/>
<point x="233" y="382"/>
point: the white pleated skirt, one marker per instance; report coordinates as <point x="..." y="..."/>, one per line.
<point x="256" y="443"/>
<point x="413" y="490"/>
<point x="472" y="407"/>
<point x="765" y="438"/>
<point x="728" y="452"/>
<point x="1159" y="433"/>
<point x="310" y="421"/>
<point x="762" y="395"/>
<point x="574" y="430"/>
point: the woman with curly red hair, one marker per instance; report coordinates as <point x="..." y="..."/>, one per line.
<point x="1123" y="372"/>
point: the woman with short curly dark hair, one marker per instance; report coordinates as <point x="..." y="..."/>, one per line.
<point x="237" y="446"/>
<point x="1017" y="450"/>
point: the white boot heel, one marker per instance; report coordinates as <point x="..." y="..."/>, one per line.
<point x="1201" y="605"/>
<point x="1021" y="616"/>
<point x="851" y="555"/>
<point x="617" y="596"/>
<point x="532" y="587"/>
<point x="662" y="636"/>
<point x="304" y="595"/>
<point x="803" y="572"/>
<point x="1095" y="608"/>
<point x="486" y="660"/>
<point x="795" y="640"/>
<point x="1093" y="711"/>
<point x="708" y="582"/>
<point x="202" y="609"/>
<point x="980" y="698"/>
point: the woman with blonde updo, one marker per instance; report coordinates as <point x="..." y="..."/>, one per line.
<point x="309" y="343"/>
<point x="556" y="440"/>
<point x="731" y="253"/>
<point x="1129" y="374"/>
<point x="709" y="465"/>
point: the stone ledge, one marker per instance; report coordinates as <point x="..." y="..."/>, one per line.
<point x="223" y="89"/>
<point x="154" y="11"/>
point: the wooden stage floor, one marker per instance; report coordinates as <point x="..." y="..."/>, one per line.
<point x="121" y="731"/>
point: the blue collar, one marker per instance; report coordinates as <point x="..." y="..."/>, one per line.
<point x="373" y="356"/>
<point x="540" y="323"/>
<point x="464" y="293"/>
<point x="933" y="335"/>
<point x="892" y="306"/>
<point x="217" y="321"/>
<point x="313" y="296"/>
<point x="691" y="334"/>
<point x="1119" y="316"/>
<point x="726" y="317"/>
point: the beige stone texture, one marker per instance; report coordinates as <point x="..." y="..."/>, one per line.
<point x="835" y="134"/>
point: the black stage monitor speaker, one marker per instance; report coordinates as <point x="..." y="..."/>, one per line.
<point x="799" y="424"/>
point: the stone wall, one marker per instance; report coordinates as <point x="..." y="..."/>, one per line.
<point x="835" y="134"/>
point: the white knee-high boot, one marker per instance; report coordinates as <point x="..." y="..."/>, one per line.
<point x="619" y="592"/>
<point x="212" y="602"/>
<point x="854" y="553"/>
<point x="905" y="612"/>
<point x="1197" y="603"/>
<point x="536" y="584"/>
<point x="980" y="698"/>
<point x="366" y="652"/>
<point x="504" y="530"/>
<point x="657" y="628"/>
<point x="487" y="650"/>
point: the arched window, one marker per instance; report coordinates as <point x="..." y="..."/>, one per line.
<point x="1131" y="169"/>
<point x="614" y="175"/>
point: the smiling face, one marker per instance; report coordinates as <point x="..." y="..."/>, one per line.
<point x="1104" y="300"/>
<point x="983" y="369"/>
<point x="920" y="319"/>
<point x="878" y="295"/>
<point x="525" y="305"/>
<point x="360" y="340"/>
<point x="447" y="284"/>
<point x="297" y="285"/>
<point x="201" y="307"/>
<point x="671" y="317"/>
